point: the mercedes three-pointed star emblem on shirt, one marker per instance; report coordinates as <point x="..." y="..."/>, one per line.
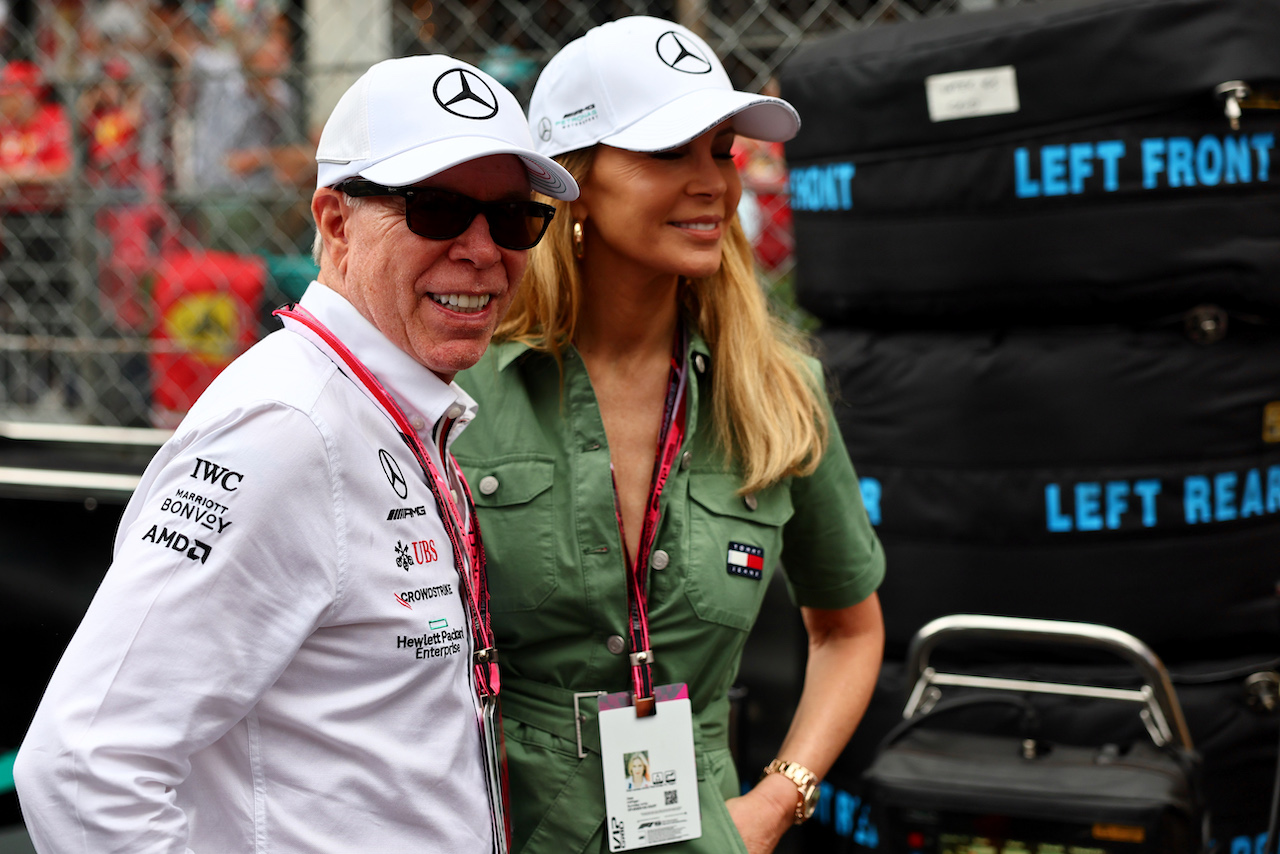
<point x="679" y="53"/>
<point x="464" y="93"/>
<point x="395" y="477"/>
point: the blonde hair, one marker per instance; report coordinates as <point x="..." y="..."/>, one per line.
<point x="768" y="406"/>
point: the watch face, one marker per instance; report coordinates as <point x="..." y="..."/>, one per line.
<point x="811" y="801"/>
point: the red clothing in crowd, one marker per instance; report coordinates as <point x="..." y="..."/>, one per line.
<point x="41" y="144"/>
<point x="37" y="148"/>
<point x="764" y="174"/>
<point x="131" y="220"/>
<point x="113" y="149"/>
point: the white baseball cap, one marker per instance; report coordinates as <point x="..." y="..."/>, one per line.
<point x="645" y="84"/>
<point x="407" y="119"/>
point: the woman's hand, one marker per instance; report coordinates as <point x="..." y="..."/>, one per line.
<point x="845" y="646"/>
<point x="763" y="814"/>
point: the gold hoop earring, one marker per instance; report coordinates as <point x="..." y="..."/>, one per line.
<point x="579" y="243"/>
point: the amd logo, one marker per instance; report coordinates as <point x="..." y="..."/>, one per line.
<point x="194" y="549"/>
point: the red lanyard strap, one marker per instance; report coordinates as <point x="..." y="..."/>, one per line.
<point x="669" y="442"/>
<point x="468" y="548"/>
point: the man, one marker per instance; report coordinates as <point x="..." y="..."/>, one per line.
<point x="35" y="159"/>
<point x="287" y="654"/>
<point x="35" y="137"/>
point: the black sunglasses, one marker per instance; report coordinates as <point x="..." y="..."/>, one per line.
<point x="442" y="215"/>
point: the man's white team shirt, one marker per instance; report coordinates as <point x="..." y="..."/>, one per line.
<point x="278" y="658"/>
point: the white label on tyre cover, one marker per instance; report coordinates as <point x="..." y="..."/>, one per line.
<point x="966" y="94"/>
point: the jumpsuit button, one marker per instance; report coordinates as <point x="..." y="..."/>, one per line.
<point x="750" y="500"/>
<point x="616" y="644"/>
<point x="454" y="411"/>
<point x="699" y="363"/>
<point x="418" y="423"/>
<point x="488" y="485"/>
<point x="660" y="559"/>
<point x="685" y="459"/>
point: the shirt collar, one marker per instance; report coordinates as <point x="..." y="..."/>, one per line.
<point x="423" y="396"/>
<point x="506" y="352"/>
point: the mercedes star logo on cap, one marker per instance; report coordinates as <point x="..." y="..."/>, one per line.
<point x="680" y="54"/>
<point x="544" y="129"/>
<point x="394" y="476"/>
<point x="465" y="94"/>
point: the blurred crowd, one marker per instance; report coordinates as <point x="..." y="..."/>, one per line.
<point x="173" y="122"/>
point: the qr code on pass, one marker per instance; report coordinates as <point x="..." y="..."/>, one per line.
<point x="670" y="797"/>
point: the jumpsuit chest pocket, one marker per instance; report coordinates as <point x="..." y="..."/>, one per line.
<point x="735" y="542"/>
<point x="516" y="506"/>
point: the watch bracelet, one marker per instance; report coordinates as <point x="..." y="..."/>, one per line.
<point x="801" y="777"/>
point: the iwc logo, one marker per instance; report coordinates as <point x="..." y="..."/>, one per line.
<point x="678" y="52"/>
<point x="464" y="93"/>
<point x="395" y="477"/>
<point x="544" y="129"/>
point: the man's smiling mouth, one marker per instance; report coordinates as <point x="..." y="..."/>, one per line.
<point x="466" y="303"/>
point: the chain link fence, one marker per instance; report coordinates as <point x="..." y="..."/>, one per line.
<point x="156" y="165"/>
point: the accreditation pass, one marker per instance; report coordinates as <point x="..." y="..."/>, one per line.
<point x="650" y="774"/>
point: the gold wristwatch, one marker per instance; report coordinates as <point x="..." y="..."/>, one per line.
<point x="806" y="782"/>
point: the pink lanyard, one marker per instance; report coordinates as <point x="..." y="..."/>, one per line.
<point x="474" y="580"/>
<point x="669" y="442"/>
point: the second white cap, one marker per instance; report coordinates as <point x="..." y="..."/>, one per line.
<point x="644" y="84"/>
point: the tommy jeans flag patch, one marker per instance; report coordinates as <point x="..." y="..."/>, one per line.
<point x="747" y="561"/>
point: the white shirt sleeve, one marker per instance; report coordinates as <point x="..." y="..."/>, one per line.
<point x="226" y="560"/>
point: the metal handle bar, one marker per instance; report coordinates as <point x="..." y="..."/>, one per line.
<point x="1161" y="712"/>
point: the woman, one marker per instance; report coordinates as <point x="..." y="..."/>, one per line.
<point x="637" y="772"/>
<point x="639" y="369"/>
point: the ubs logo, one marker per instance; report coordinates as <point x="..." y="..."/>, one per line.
<point x="464" y="93"/>
<point x="395" y="477"/>
<point x="678" y="52"/>
<point x="544" y="129"/>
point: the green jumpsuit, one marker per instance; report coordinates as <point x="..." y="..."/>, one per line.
<point x="538" y="465"/>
